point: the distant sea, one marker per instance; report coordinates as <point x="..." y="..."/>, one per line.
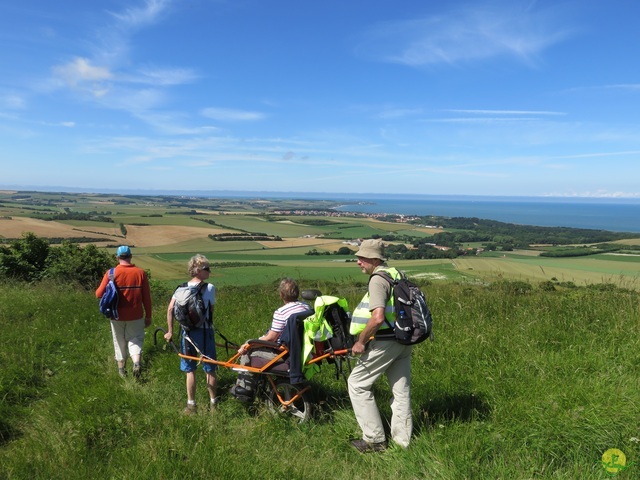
<point x="613" y="214"/>
<point x="617" y="215"/>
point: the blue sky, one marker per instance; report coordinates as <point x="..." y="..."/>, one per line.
<point x="464" y="98"/>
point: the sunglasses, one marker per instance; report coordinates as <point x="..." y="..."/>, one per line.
<point x="206" y="269"/>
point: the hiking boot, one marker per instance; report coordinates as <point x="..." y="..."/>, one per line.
<point x="365" y="447"/>
<point x="137" y="369"/>
<point x="190" y="409"/>
<point x="241" y="394"/>
<point x="122" y="372"/>
<point x="213" y="404"/>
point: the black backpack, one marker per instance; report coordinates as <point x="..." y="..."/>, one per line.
<point x="109" y="301"/>
<point x="189" y="309"/>
<point x="339" y="321"/>
<point x="413" y="323"/>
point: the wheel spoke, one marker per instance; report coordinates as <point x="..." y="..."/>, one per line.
<point x="299" y="410"/>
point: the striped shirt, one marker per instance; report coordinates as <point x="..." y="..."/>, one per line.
<point x="281" y="315"/>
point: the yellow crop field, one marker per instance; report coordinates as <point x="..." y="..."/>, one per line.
<point x="312" y="242"/>
<point x="16" y="226"/>
<point x="158" y="235"/>
<point x="629" y="241"/>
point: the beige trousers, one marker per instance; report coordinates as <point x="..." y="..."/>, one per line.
<point x="393" y="359"/>
<point x="128" y="337"/>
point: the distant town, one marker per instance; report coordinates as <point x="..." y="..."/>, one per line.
<point x="392" y="217"/>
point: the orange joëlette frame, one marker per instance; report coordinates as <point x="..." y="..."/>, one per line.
<point x="233" y="364"/>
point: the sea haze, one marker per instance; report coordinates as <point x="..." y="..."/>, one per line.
<point x="617" y="215"/>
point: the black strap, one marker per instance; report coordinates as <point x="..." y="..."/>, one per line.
<point x="209" y="318"/>
<point x="228" y="343"/>
<point x="393" y="282"/>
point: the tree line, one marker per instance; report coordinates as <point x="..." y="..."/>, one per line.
<point x="495" y="235"/>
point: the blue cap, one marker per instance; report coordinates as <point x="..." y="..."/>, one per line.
<point x="123" y="251"/>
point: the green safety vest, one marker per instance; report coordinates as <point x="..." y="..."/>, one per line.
<point x="362" y="314"/>
<point x="317" y="329"/>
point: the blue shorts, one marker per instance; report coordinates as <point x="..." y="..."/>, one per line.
<point x="206" y="343"/>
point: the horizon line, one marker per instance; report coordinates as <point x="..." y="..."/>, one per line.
<point x="297" y="194"/>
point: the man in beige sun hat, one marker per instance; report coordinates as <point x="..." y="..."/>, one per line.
<point x="372" y="324"/>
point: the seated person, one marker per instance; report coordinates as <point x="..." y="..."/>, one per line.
<point x="289" y="292"/>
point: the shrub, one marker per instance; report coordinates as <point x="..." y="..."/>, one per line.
<point x="72" y="263"/>
<point x="547" y="286"/>
<point x="32" y="258"/>
<point x="512" y="287"/>
<point x="24" y="259"/>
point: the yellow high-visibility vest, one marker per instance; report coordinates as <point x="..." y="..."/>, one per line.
<point x="362" y="314"/>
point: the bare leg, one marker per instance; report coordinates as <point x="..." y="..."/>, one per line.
<point x="191" y="386"/>
<point x="211" y="385"/>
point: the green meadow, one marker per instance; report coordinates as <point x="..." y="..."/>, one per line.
<point x="533" y="373"/>
<point x="520" y="383"/>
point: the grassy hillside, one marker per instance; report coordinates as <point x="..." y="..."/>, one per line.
<point x="520" y="383"/>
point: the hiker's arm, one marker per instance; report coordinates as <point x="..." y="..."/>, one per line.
<point x="169" y="334"/>
<point x="370" y="329"/>
<point x="270" y="336"/>
<point x="103" y="285"/>
<point x="146" y="300"/>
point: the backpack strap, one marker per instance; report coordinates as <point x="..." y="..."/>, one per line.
<point x="388" y="278"/>
<point x="201" y="286"/>
<point x="112" y="275"/>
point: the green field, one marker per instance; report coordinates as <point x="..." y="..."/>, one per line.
<point x="579" y="270"/>
<point x="520" y="383"/>
<point x="165" y="245"/>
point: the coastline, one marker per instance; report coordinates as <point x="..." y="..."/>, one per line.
<point x="614" y="215"/>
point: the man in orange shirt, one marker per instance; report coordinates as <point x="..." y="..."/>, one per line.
<point x="133" y="294"/>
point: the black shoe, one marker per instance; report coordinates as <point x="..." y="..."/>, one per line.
<point x="365" y="447"/>
<point x="242" y="394"/>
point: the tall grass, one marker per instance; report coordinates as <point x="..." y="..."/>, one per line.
<point x="519" y="383"/>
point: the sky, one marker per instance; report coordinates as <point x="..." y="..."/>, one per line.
<point x="509" y="98"/>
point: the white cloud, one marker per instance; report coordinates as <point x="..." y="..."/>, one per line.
<point x="506" y="112"/>
<point x="231" y="115"/>
<point x="615" y="86"/>
<point x="82" y="74"/>
<point x="594" y="194"/>
<point x="113" y="80"/>
<point x="481" y="120"/>
<point x="392" y="113"/>
<point x="467" y="34"/>
<point x="603" y="154"/>
<point x="625" y="86"/>
<point x="12" y="102"/>
<point x="145" y="15"/>
<point x="164" y="76"/>
<point x="61" y="124"/>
